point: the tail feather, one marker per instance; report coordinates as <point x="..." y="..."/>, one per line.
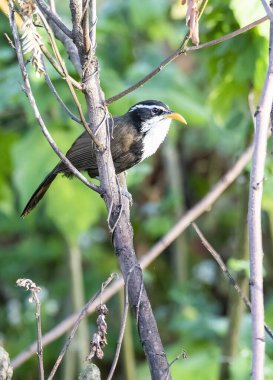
<point x="39" y="193"/>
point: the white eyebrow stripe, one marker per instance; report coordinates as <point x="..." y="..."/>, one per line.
<point x="148" y="106"/>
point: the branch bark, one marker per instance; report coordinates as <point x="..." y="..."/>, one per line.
<point x="262" y="117"/>
<point x="118" y="208"/>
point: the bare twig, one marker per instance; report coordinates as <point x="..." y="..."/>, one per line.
<point x="32" y="101"/>
<point x="182" y="50"/>
<point x="70" y="86"/>
<point x="34" y="289"/>
<point x="93" y="21"/>
<point x="59" y="99"/>
<point x="81" y="315"/>
<point x="268" y="10"/>
<point x="9" y="40"/>
<point x="201" y="207"/>
<point x="53" y="17"/>
<point x="85" y="25"/>
<point x="183" y="354"/>
<point x="58" y="68"/>
<point x="227" y="273"/>
<point x="227" y="36"/>
<point x="122" y="328"/>
<point x="254" y="221"/>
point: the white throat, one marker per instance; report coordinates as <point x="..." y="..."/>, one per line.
<point x="156" y="132"/>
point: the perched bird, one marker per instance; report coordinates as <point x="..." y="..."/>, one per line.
<point x="136" y="135"/>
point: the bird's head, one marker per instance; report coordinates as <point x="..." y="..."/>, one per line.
<point x="152" y="113"/>
<point x="152" y="119"/>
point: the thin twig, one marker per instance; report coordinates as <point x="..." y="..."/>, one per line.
<point x="32" y="101"/>
<point x="53" y="17"/>
<point x="227" y="36"/>
<point x="70" y="86"/>
<point x="85" y="27"/>
<point x="93" y="21"/>
<point x="34" y="289"/>
<point x="122" y="328"/>
<point x="58" y="68"/>
<point x="9" y="40"/>
<point x="227" y="273"/>
<point x="255" y="223"/>
<point x="59" y="99"/>
<point x="182" y="50"/>
<point x="268" y="10"/>
<point x="182" y="354"/>
<point x="67" y="42"/>
<point x="201" y="207"/>
<point x="81" y="315"/>
<point x="149" y="76"/>
<point x="39" y="335"/>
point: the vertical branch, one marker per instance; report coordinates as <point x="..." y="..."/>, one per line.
<point x="235" y="305"/>
<point x="254" y="222"/>
<point x="77" y="284"/>
<point x="93" y="21"/>
<point x="34" y="289"/>
<point x="39" y="335"/>
<point x="117" y="206"/>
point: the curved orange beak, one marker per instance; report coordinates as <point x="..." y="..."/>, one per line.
<point x="176" y="116"/>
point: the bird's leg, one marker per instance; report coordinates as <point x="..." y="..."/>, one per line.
<point x="128" y="195"/>
<point x="124" y="192"/>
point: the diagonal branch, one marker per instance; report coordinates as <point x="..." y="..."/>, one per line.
<point x="183" y="49"/>
<point x="227" y="273"/>
<point x="80" y="317"/>
<point x="268" y="10"/>
<point x="228" y="36"/>
<point x="59" y="99"/>
<point x="201" y="207"/>
<point x="53" y="17"/>
<point x="58" y="68"/>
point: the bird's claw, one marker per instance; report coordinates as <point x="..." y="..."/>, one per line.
<point x="128" y="195"/>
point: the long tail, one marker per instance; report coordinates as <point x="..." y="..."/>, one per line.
<point x="39" y="193"/>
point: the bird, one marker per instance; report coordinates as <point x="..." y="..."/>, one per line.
<point x="136" y="135"/>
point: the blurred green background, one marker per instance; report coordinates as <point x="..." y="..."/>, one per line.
<point x="64" y="245"/>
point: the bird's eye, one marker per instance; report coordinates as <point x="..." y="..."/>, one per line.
<point x="157" y="111"/>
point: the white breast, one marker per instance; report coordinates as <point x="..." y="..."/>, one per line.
<point x="156" y="133"/>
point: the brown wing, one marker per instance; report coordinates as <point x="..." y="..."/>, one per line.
<point x="126" y="148"/>
<point x="82" y="156"/>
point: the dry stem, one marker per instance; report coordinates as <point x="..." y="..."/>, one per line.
<point x="254" y="222"/>
<point x="227" y="273"/>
